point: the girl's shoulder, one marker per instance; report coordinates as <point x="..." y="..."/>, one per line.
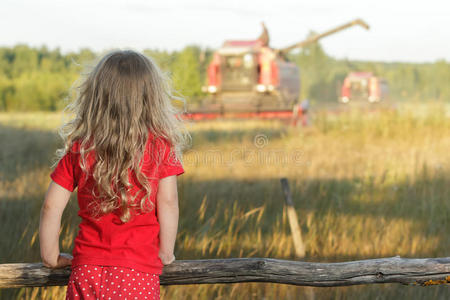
<point x="75" y="148"/>
<point x="158" y="142"/>
<point x="88" y="158"/>
<point x="158" y="150"/>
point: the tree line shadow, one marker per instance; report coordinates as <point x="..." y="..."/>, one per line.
<point x="422" y="200"/>
<point x="23" y="150"/>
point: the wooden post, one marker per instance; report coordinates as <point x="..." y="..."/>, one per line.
<point x="296" y="114"/>
<point x="293" y="221"/>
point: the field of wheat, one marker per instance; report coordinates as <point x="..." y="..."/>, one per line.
<point x="365" y="184"/>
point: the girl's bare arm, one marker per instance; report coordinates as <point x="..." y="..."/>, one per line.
<point x="55" y="201"/>
<point x="167" y="210"/>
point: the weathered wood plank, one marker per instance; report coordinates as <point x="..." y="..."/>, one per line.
<point x="420" y="271"/>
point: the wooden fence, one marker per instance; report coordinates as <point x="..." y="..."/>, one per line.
<point x="417" y="271"/>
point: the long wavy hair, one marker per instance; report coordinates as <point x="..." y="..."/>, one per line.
<point x="123" y="98"/>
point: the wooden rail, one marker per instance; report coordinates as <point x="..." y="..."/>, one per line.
<point x="418" y="271"/>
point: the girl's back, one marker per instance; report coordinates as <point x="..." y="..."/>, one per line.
<point x="106" y="239"/>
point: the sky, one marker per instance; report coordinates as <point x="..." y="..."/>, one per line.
<point x="407" y="31"/>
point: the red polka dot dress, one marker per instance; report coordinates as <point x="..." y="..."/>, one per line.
<point x="104" y="282"/>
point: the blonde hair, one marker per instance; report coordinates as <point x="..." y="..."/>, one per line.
<point x="123" y="98"/>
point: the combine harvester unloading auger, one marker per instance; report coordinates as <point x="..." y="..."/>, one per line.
<point x="249" y="79"/>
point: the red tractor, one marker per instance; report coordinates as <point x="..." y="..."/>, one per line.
<point x="249" y="78"/>
<point x="363" y="86"/>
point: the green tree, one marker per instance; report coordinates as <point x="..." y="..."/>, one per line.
<point x="186" y="72"/>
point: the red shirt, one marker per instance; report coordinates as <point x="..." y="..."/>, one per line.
<point x="106" y="240"/>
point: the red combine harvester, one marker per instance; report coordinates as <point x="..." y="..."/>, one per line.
<point x="363" y="86"/>
<point x="248" y="79"/>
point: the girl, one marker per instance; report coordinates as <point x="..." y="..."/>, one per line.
<point x="122" y="152"/>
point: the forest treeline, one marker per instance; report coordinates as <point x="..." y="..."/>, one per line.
<point x="40" y="78"/>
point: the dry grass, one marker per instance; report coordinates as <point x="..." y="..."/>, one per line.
<point x="364" y="185"/>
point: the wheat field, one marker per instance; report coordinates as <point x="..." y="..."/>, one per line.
<point x="365" y="184"/>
